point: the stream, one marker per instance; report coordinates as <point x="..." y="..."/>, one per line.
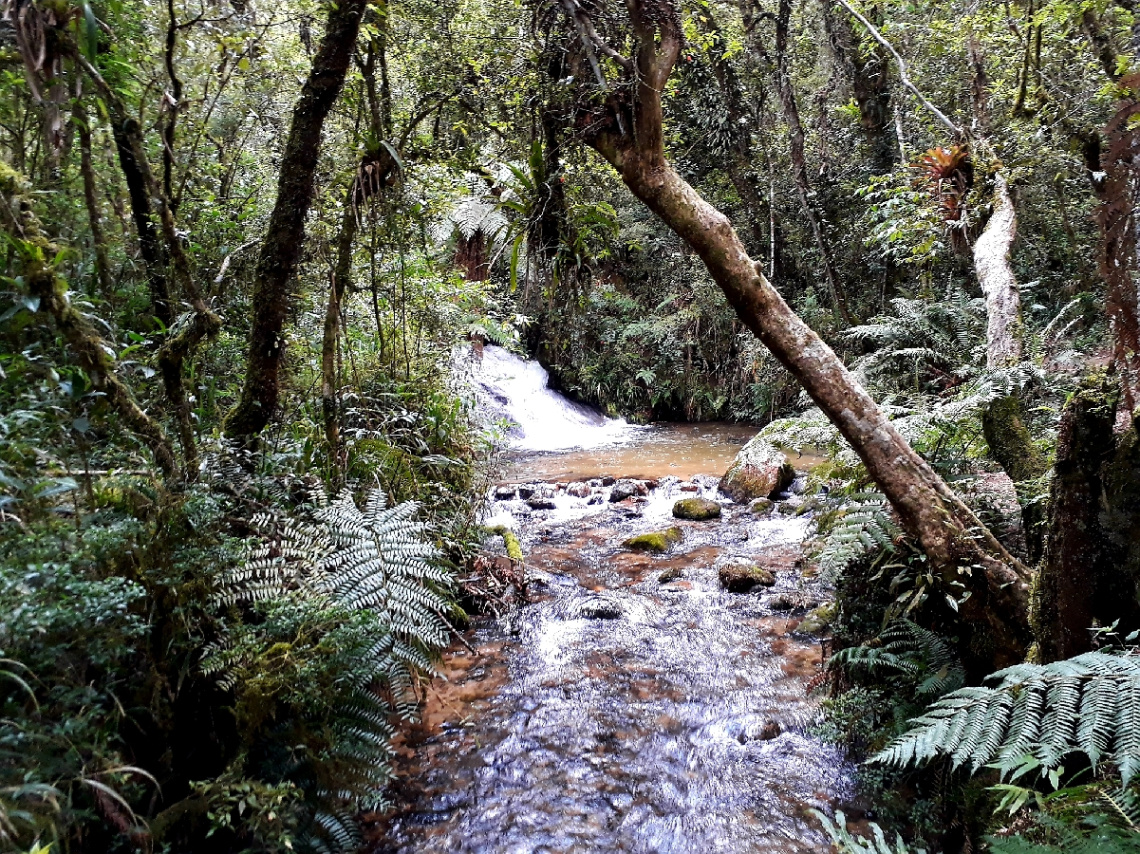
<point x="632" y="704"/>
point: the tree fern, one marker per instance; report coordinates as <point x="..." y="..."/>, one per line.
<point x="1089" y="704"/>
<point x="371" y="571"/>
<point x="377" y="559"/>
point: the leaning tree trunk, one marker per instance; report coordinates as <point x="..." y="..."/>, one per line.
<point x="91" y="351"/>
<point x="959" y="546"/>
<point x="281" y="249"/>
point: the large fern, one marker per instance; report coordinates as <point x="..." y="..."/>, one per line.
<point x="377" y="559"/>
<point x="375" y="564"/>
<point x="1089" y="704"/>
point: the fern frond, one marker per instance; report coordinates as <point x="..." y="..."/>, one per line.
<point x="1087" y="704"/>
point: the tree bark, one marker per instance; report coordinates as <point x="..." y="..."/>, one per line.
<point x="91" y="199"/>
<point x="870" y="86"/>
<point x="1065" y="595"/>
<point x="285" y="236"/>
<point x="999" y="285"/>
<point x="962" y="550"/>
<point x="341" y="278"/>
<point x="1116" y="215"/>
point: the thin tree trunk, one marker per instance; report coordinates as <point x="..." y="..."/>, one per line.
<point x="285" y="236"/>
<point x="869" y="85"/>
<point x="203" y="322"/>
<point x="781" y="74"/>
<point x="999" y="285"/>
<point x="91" y="199"/>
<point x="741" y="164"/>
<point x="958" y="545"/>
<point x="341" y="278"/>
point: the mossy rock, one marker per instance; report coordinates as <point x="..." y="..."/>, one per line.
<point x="759" y="470"/>
<point x="510" y="540"/>
<point x="760" y="506"/>
<point x="696" y="509"/>
<point x="742" y="577"/>
<point x="655" y="541"/>
<point x="819" y="620"/>
<point x="673" y="573"/>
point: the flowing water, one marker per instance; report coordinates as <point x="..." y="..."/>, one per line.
<point x="620" y="710"/>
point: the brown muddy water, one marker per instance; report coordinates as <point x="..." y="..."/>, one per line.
<point x="616" y="712"/>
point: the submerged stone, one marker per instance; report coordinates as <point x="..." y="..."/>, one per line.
<point x="655" y="541"/>
<point x="760" y="506"/>
<point x="818" y="621"/>
<point x="741" y="577"/>
<point x="696" y="509"/>
<point x="673" y="573"/>
<point x="759" y="470"/>
<point x="599" y="608"/>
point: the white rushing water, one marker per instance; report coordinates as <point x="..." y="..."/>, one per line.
<point x="516" y="390"/>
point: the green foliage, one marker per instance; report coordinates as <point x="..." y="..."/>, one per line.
<point x="859" y="526"/>
<point x="909" y="652"/>
<point x="846" y="843"/>
<point x="1088" y="704"/>
<point x="347" y="609"/>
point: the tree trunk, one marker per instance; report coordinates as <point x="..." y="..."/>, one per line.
<point x="341" y="278"/>
<point x="1065" y="595"/>
<point x="285" y="236"/>
<point x="91" y="199"/>
<point x="961" y="549"/>
<point x="90" y="349"/>
<point x="1116" y="216"/>
<point x="781" y="75"/>
<point x="869" y="85"/>
<point x="741" y="164"/>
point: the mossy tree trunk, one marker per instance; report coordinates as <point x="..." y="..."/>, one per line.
<point x="285" y="236"/>
<point x="867" y="73"/>
<point x="91" y="350"/>
<point x="963" y="550"/>
<point x="1065" y="604"/>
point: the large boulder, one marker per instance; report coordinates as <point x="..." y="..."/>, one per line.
<point x="759" y="470"/>
<point x="696" y="509"/>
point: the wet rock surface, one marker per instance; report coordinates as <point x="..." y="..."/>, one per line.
<point x="634" y="705"/>
<point x="759" y="470"/>
<point x="696" y="509"/>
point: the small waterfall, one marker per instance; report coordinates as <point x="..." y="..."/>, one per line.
<point x="514" y="389"/>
